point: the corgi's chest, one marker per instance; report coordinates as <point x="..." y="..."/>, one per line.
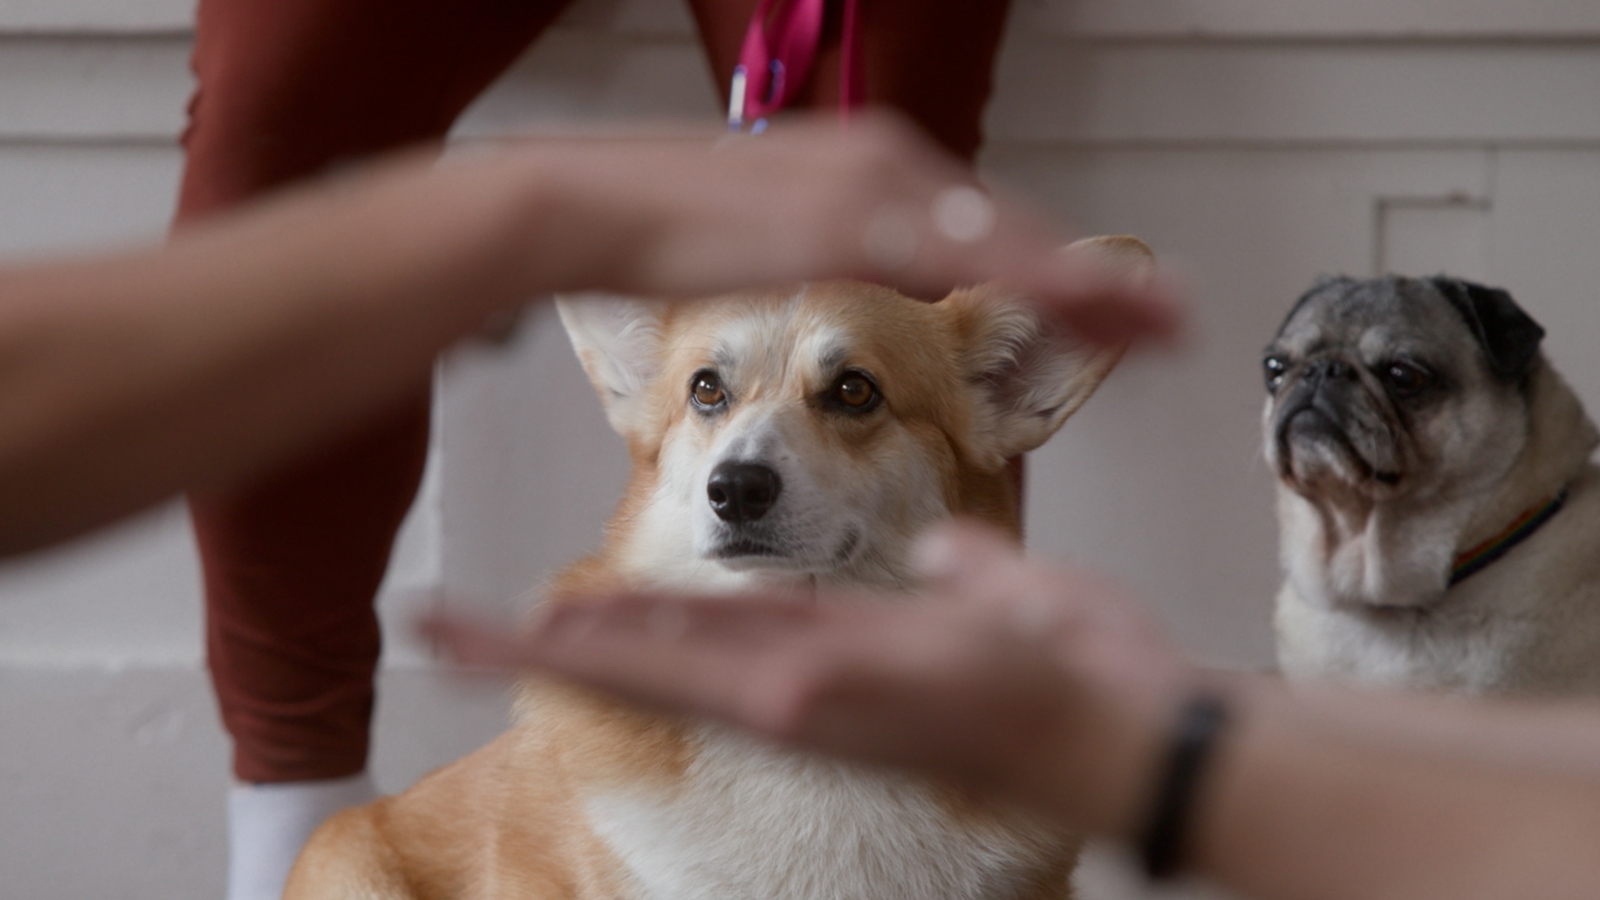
<point x="752" y="821"/>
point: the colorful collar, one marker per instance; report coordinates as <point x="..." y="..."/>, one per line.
<point x="1470" y="562"/>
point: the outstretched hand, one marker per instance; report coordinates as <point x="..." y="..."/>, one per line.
<point x="1018" y="678"/>
<point x="693" y="216"/>
<point x="251" y="337"/>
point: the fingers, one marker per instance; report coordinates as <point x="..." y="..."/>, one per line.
<point x="543" y="642"/>
<point x="611" y="654"/>
<point x="707" y="656"/>
<point x="1101" y="300"/>
<point x="687" y="217"/>
<point x="939" y="230"/>
<point x="1112" y="314"/>
<point x="979" y="566"/>
<point x="963" y="558"/>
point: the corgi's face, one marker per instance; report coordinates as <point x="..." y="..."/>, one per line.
<point x="814" y="431"/>
<point x="781" y="449"/>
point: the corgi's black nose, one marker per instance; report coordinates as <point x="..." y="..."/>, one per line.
<point x="742" y="492"/>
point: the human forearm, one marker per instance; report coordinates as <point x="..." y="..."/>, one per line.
<point x="134" y="376"/>
<point x="1337" y="796"/>
<point x="1042" y="685"/>
<point x="126" y="378"/>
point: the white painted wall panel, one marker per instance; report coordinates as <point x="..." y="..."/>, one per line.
<point x="1449" y="234"/>
<point x="55" y="196"/>
<point x="111" y="786"/>
<point x="127" y="596"/>
<point x="99" y="17"/>
<point x="1545" y="249"/>
<point x="1310" y="18"/>
<point x="94" y="89"/>
<point x="106" y="89"/>
<point x="1238" y="93"/>
<point x="1174" y="18"/>
<point x="576" y="79"/>
<point x="112" y="782"/>
<point x="96" y="16"/>
<point x="532" y="467"/>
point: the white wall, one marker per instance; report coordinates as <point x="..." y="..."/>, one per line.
<point x="1254" y="144"/>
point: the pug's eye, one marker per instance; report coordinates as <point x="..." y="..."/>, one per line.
<point x="1405" y="378"/>
<point x="854" y="392"/>
<point x="706" y="389"/>
<point x="1274" y="368"/>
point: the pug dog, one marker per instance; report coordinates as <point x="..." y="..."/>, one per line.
<point x="1438" y="513"/>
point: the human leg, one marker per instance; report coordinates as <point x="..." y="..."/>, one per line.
<point x="292" y="562"/>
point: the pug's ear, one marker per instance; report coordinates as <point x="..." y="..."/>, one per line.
<point x="1508" y="335"/>
<point x="618" y="341"/>
<point x="1029" y="377"/>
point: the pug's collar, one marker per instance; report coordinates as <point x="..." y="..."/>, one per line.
<point x="1470" y="562"/>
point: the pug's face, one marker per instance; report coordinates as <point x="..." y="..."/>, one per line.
<point x="1388" y="388"/>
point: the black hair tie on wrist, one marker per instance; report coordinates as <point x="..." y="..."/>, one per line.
<point x="1162" y="845"/>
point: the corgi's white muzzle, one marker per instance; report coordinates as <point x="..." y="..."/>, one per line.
<point x="760" y="504"/>
<point x="753" y="517"/>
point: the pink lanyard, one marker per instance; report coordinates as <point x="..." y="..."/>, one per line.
<point x="779" y="50"/>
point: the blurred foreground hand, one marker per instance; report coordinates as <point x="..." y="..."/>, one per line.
<point x="1027" y="680"/>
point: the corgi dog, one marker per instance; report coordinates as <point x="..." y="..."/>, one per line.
<point x="804" y="436"/>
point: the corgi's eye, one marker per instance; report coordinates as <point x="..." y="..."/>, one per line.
<point x="706" y="389"/>
<point x="855" y="392"/>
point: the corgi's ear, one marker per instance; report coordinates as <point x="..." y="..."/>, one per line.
<point x="1029" y="378"/>
<point x="1120" y="254"/>
<point x="618" y="340"/>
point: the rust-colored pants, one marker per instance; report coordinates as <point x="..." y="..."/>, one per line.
<point x="288" y="87"/>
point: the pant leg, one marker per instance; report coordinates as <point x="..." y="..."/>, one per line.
<point x="931" y="59"/>
<point x="292" y="563"/>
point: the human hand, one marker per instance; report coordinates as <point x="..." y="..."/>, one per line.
<point x="691" y="215"/>
<point x="1035" y="682"/>
<point x="254" y="336"/>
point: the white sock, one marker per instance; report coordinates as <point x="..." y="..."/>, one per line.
<point x="269" y="823"/>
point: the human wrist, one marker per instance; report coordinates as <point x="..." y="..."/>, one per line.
<point x="438" y="244"/>
<point x="1095" y="775"/>
<point x="520" y="209"/>
<point x="573" y="227"/>
<point x="1164" y="838"/>
<point x="1229" y="762"/>
<point x="1155" y="761"/>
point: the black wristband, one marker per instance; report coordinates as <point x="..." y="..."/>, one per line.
<point x="1161" y="845"/>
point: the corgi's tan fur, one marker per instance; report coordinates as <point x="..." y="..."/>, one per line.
<point x="585" y="798"/>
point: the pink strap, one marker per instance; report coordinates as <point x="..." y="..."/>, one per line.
<point x="780" y="49"/>
<point x="852" y="89"/>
